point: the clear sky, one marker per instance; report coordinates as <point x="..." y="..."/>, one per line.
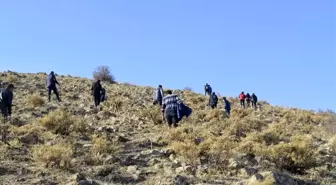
<point x="283" y="50"/>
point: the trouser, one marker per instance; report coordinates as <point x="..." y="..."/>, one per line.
<point x="242" y="103"/>
<point x="97" y="99"/>
<point x="227" y="111"/>
<point x="158" y="102"/>
<point x="213" y="106"/>
<point x="254" y="105"/>
<point x="171" y="117"/>
<point x="54" y="89"/>
<point x="248" y="103"/>
<point x="4" y="110"/>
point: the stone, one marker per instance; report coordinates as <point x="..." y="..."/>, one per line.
<point x="78" y="177"/>
<point x="249" y="171"/>
<point x="132" y="169"/>
<point x="198" y="140"/>
<point x="30" y="138"/>
<point x="181" y="180"/>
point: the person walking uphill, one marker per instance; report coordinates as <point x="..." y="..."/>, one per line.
<point x="158" y="96"/>
<point x="242" y="99"/>
<point x="248" y="99"/>
<point x="213" y="100"/>
<point x="254" y="101"/>
<point x="6" y="99"/>
<point x="207" y="89"/>
<point x="227" y="106"/>
<point x="51" y="85"/>
<point x="170" y="104"/>
<point x="96" y="89"/>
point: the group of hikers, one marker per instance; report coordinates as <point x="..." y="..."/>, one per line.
<point x="6" y="94"/>
<point x="173" y="108"/>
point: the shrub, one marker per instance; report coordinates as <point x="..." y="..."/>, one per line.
<point x="102" y="145"/>
<point x="35" y="100"/>
<point x="58" y="155"/>
<point x="103" y="73"/>
<point x="152" y="113"/>
<point x="12" y="79"/>
<point x="296" y="156"/>
<point x="115" y="104"/>
<point x="58" y="121"/>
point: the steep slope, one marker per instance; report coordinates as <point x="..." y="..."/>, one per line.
<point x="126" y="142"/>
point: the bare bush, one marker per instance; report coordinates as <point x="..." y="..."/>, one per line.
<point x="103" y="73"/>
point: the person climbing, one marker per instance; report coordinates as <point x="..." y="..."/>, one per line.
<point x="254" y="101"/>
<point x="158" y="96"/>
<point x="207" y="89"/>
<point x="242" y="99"/>
<point x="170" y="105"/>
<point x="213" y="100"/>
<point x="96" y="92"/>
<point x="51" y="85"/>
<point x="6" y="99"/>
<point x="248" y="99"/>
<point x="227" y="106"/>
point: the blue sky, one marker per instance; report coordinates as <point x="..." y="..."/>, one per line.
<point x="284" y="51"/>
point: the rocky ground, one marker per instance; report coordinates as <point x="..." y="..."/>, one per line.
<point x="126" y="142"/>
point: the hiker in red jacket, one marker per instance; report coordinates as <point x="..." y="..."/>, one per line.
<point x="242" y="99"/>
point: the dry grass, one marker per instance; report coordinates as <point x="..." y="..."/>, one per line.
<point x="35" y="100"/>
<point x="58" y="155"/>
<point x="103" y="145"/>
<point x="58" y="121"/>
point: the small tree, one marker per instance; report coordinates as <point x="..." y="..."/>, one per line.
<point x="103" y="73"/>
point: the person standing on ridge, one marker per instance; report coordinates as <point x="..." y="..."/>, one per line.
<point x="6" y="99"/>
<point x="242" y="99"/>
<point x="51" y="85"/>
<point x="96" y="92"/>
<point x="207" y="89"/>
<point x="254" y="101"/>
<point x="227" y="106"/>
<point x="158" y="96"/>
<point x="213" y="100"/>
<point x="170" y="105"/>
<point x="248" y="99"/>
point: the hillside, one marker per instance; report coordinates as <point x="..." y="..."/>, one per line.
<point x="127" y="143"/>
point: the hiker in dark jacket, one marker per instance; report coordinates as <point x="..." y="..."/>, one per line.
<point x="207" y="89"/>
<point x="213" y="100"/>
<point x="51" y="85"/>
<point x="6" y="99"/>
<point x="96" y="92"/>
<point x="227" y="106"/>
<point x="170" y="105"/>
<point x="254" y="101"/>
<point x="158" y="96"/>
<point x="248" y="99"/>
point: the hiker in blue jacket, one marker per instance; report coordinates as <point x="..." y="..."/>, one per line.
<point x="213" y="100"/>
<point x="227" y="106"/>
<point x="254" y="101"/>
<point x="51" y="85"/>
<point x="207" y="89"/>
<point x="158" y="96"/>
<point x="6" y="99"/>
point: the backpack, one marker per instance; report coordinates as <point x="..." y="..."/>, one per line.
<point x="1" y="94"/>
<point x="242" y="96"/>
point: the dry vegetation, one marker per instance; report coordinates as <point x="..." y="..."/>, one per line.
<point x="126" y="142"/>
